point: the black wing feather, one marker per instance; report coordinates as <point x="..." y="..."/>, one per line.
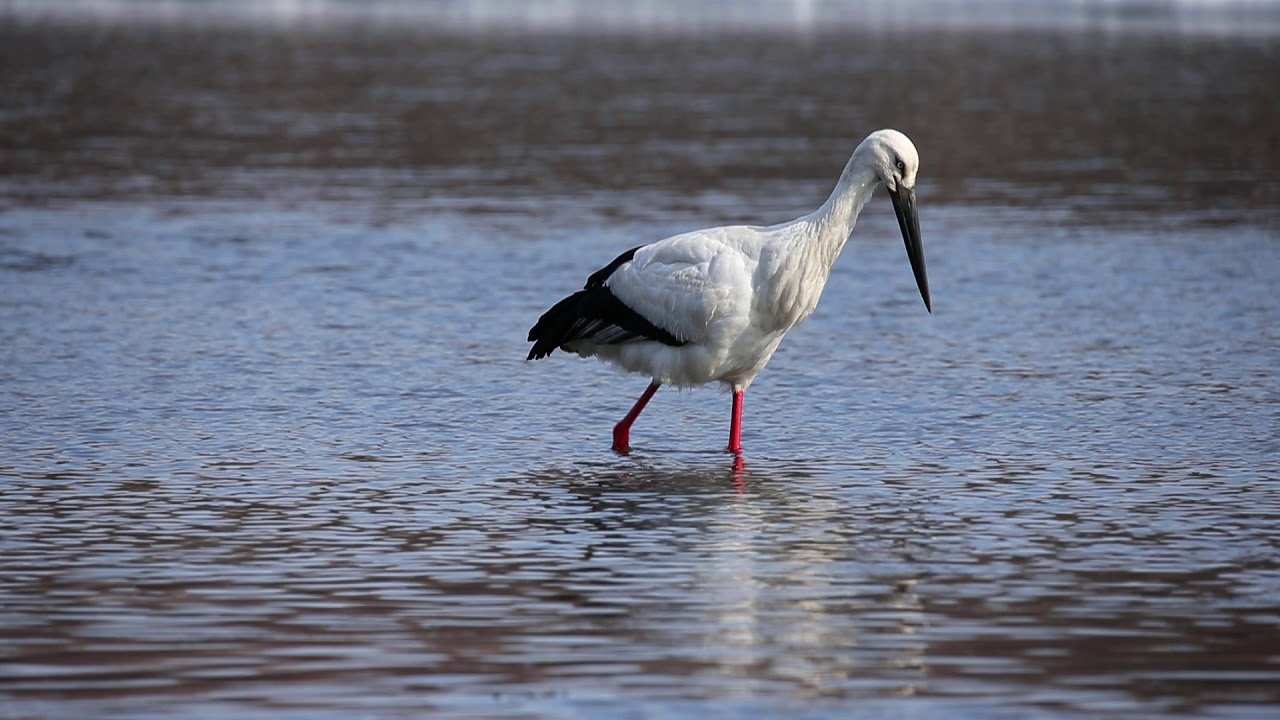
<point x="598" y="277"/>
<point x="594" y="313"/>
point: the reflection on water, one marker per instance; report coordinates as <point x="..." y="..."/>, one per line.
<point x="268" y="447"/>
<point x="569" y="586"/>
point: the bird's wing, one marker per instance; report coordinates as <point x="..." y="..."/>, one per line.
<point x="594" y="314"/>
<point x="681" y="283"/>
<point x="668" y="292"/>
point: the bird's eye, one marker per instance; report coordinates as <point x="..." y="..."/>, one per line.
<point x="901" y="165"/>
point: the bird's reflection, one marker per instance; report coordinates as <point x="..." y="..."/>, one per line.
<point x="774" y="581"/>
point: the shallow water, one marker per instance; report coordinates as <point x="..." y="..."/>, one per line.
<point x="269" y="448"/>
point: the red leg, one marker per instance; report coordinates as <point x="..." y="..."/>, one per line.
<point x="735" y="429"/>
<point x="622" y="431"/>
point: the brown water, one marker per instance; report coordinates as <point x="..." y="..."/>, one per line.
<point x="268" y="447"/>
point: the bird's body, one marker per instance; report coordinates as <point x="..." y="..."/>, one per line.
<point x="713" y="304"/>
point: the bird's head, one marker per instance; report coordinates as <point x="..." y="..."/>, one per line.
<point x="895" y="161"/>
<point x="893" y="157"/>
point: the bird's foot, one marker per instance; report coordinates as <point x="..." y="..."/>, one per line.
<point x="621" y="441"/>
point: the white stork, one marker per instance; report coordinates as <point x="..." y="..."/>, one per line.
<point x="713" y="304"/>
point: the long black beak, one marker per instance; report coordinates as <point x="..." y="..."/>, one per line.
<point x="904" y="204"/>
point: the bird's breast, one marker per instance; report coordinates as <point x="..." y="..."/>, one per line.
<point x="786" y="298"/>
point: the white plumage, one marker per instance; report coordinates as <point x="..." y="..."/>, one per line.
<point x="713" y="304"/>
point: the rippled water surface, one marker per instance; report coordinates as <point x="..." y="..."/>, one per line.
<point x="269" y="447"/>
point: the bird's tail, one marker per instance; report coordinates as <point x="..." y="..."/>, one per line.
<point x="556" y="326"/>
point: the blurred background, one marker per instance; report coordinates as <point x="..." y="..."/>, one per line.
<point x="405" y="103"/>
<point x="269" y="448"/>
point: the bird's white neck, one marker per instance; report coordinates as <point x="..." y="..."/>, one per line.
<point x="833" y="222"/>
<point x="796" y="270"/>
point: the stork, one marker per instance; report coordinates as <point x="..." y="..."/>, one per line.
<point x="713" y="304"/>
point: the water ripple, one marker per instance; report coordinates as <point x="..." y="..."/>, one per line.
<point x="268" y="447"/>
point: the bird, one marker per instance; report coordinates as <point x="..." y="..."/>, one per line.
<point x="712" y="305"/>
